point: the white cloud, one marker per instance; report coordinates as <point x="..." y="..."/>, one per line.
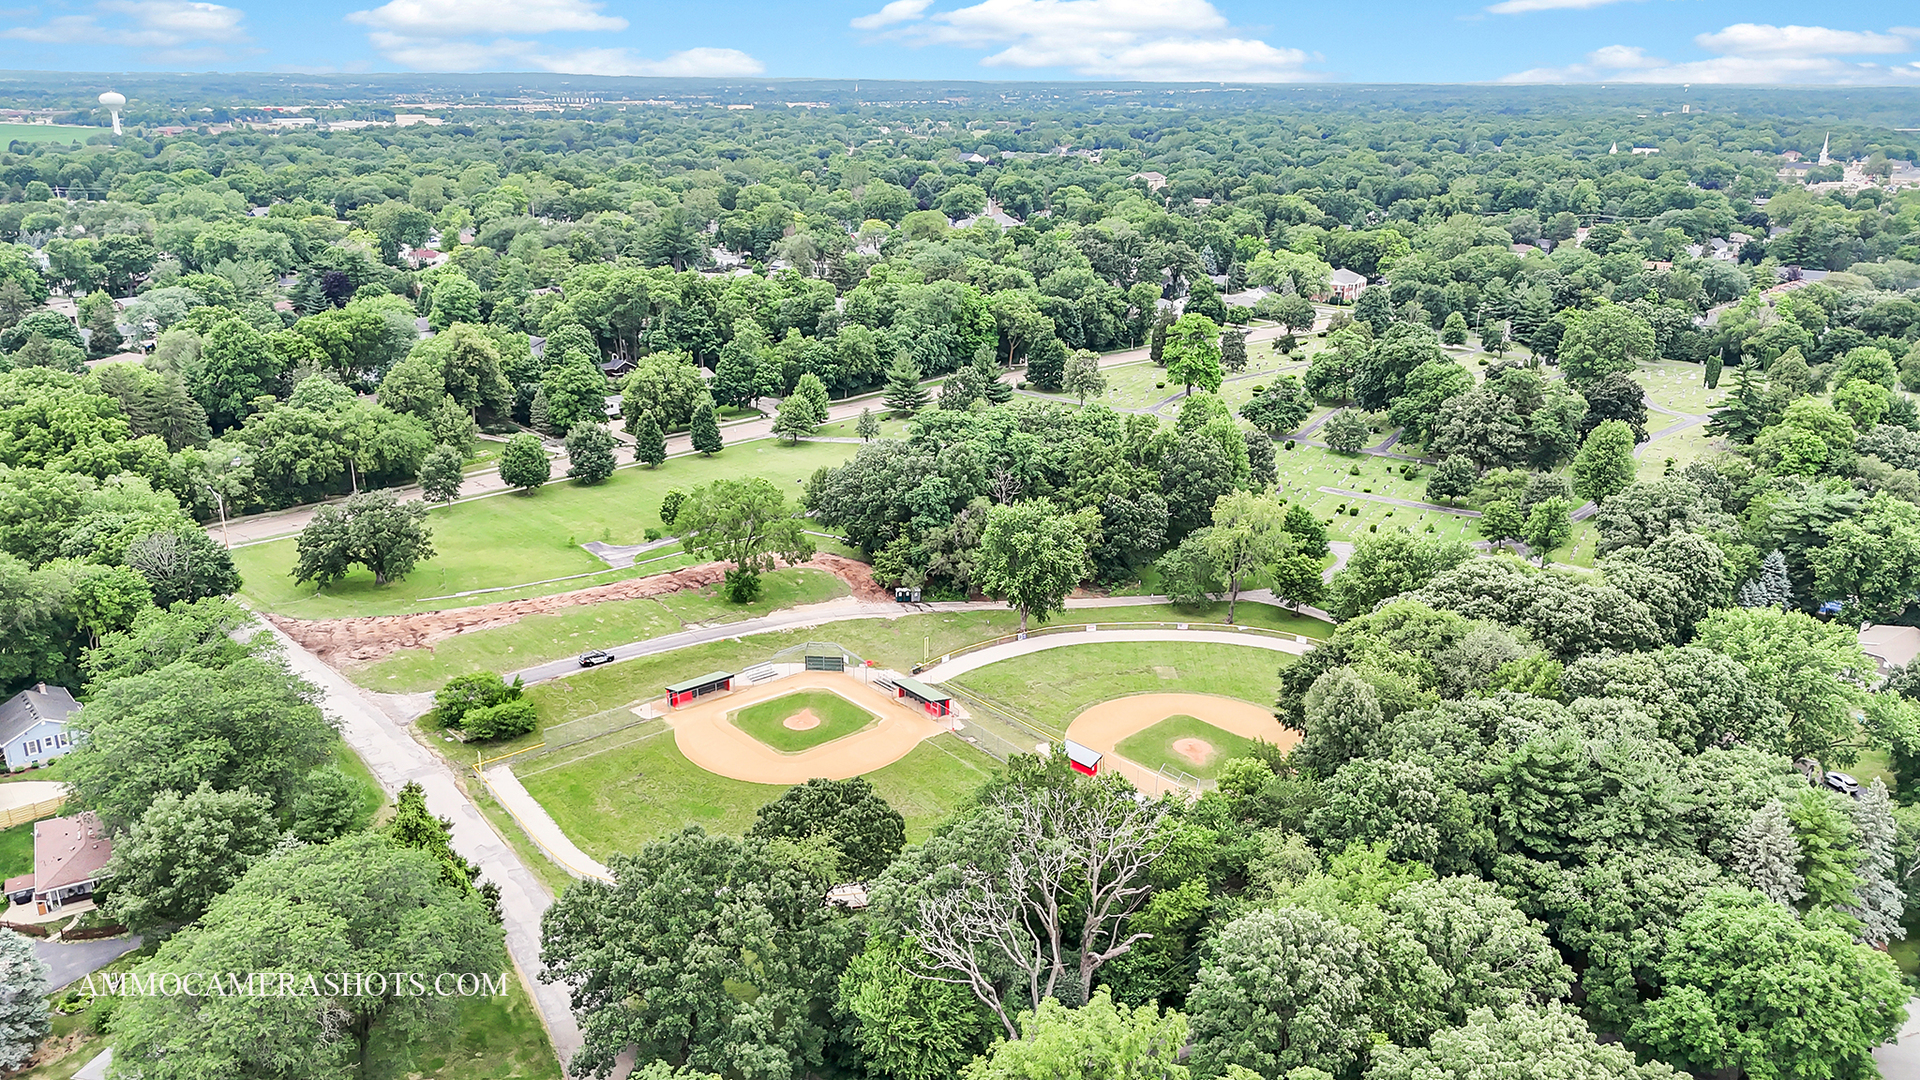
<point x="1751" y="53"/>
<point x="1147" y="40"/>
<point x="1759" y="39"/>
<point x="457" y="35"/>
<point x="898" y="11"/>
<point x="458" y="18"/>
<point x="463" y="54"/>
<point x="170" y="30"/>
<point x="1521" y="7"/>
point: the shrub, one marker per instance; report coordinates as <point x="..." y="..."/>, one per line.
<point x="1354" y="471"/>
<point x="1353" y="512"/>
<point x="652" y="535"/>
<point x="506" y="720"/>
<point x="1159" y="386"/>
<point x="670" y="506"/>
<point x="464" y="694"/>
<point x="1373" y="528"/>
<point x="1289" y="444"/>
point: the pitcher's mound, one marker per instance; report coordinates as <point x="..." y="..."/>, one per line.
<point x="1198" y="751"/>
<point x="804" y="720"/>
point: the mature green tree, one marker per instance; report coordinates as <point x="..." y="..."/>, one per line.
<point x="1605" y="340"/>
<point x="361" y="904"/>
<point x="590" y="448"/>
<point x="1296" y="579"/>
<point x="1032" y="555"/>
<point x="1097" y="1039"/>
<point x="576" y="392"/>
<point x="414" y="826"/>
<point x="246" y="725"/>
<point x="1746" y="986"/>
<point x="1452" y="479"/>
<point x="1187" y="573"/>
<point x="524" y="463"/>
<point x="747" y="523"/>
<point x="185" y="852"/>
<point x="24" y="1016"/>
<point x="904" y="393"/>
<point x="665" y="385"/>
<point x="1233" y="351"/>
<point x="798" y="417"/>
<point x="1083" y="377"/>
<point x="1388" y="564"/>
<point x="908" y="1027"/>
<point x="441" y="474"/>
<point x="456" y="299"/>
<point x="1309" y="532"/>
<point x="1549" y="527"/>
<point x="1428" y="387"/>
<point x="371" y="529"/>
<point x="235" y="367"/>
<point x="649" y="443"/>
<point x="656" y="960"/>
<point x="1283" y="989"/>
<point x="1512" y="1043"/>
<point x="1247" y="537"/>
<point x="1454" y="331"/>
<point x="1283" y="406"/>
<point x="849" y="814"/>
<point x="1605" y="464"/>
<point x="868" y="426"/>
<point x="1811" y="668"/>
<point x="1489" y="953"/>
<point x="327" y="807"/>
<point x="1193" y="353"/>
<point x="1872" y="560"/>
<point x="704" y="430"/>
<point x="1620" y="397"/>
<point x="1347" y="432"/>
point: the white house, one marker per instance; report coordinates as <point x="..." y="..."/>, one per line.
<point x="33" y="726"/>
<point x="1347" y="285"/>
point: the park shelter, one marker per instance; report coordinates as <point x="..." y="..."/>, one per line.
<point x="687" y="691"/>
<point x="936" y="702"/>
<point x="1084" y="759"/>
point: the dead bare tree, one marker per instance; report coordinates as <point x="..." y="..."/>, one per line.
<point x="1072" y="853"/>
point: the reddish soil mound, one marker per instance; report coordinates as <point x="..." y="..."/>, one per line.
<point x="1198" y="751"/>
<point x="804" y="720"/>
<point x="374" y="637"/>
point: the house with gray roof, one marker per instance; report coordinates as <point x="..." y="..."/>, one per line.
<point x="33" y="726"/>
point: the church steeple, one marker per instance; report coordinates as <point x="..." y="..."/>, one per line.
<point x="1824" y="145"/>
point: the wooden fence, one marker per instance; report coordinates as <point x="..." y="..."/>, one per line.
<point x="20" y="815"/>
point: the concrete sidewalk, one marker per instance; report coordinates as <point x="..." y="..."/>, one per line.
<point x="395" y="758"/>
<point x="540" y="826"/>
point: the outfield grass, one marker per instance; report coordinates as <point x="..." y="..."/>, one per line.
<point x="1053" y="687"/>
<point x="767" y="720"/>
<point x="16" y="850"/>
<point x="1153" y="747"/>
<point x="510" y="540"/>
<point x="539" y="638"/>
<point x="628" y="793"/>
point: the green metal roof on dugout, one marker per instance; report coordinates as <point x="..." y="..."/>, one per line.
<point x="709" y="679"/>
<point x="921" y="690"/>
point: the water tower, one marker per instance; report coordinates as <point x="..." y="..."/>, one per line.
<point x="113" y="103"/>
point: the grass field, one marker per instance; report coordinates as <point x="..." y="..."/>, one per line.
<point x="16" y="851"/>
<point x="1052" y="687"/>
<point x="631" y="792"/>
<point x="511" y="540"/>
<point x="1154" y="748"/>
<point x="539" y="638"/>
<point x="48" y="133"/>
<point x="767" y="720"/>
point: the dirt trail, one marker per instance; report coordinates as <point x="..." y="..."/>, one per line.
<point x="374" y="637"/>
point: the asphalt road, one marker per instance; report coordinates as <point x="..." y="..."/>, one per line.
<point x="70" y="960"/>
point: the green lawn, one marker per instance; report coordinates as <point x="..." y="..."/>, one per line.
<point x="373" y="798"/>
<point x="493" y="1039"/>
<point x="1304" y="470"/>
<point x="1055" y="686"/>
<point x="511" y="540"/>
<point x="16" y="851"/>
<point x="539" y="638"/>
<point x="1154" y="748"/>
<point x="49" y="133"/>
<point x="837" y="718"/>
<point x="618" y="797"/>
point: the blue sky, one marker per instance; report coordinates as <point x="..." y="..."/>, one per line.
<point x="1665" y="41"/>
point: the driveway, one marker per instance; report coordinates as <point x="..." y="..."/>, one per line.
<point x="71" y="960"/>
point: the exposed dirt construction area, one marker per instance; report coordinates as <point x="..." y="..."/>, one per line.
<point x="704" y="734"/>
<point x="1101" y="727"/>
<point x="338" y="641"/>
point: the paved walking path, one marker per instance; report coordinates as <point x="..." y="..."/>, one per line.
<point x="540" y="826"/>
<point x="70" y="960"/>
<point x="395" y="758"/>
<point x="1900" y="1059"/>
<point x="993" y="654"/>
